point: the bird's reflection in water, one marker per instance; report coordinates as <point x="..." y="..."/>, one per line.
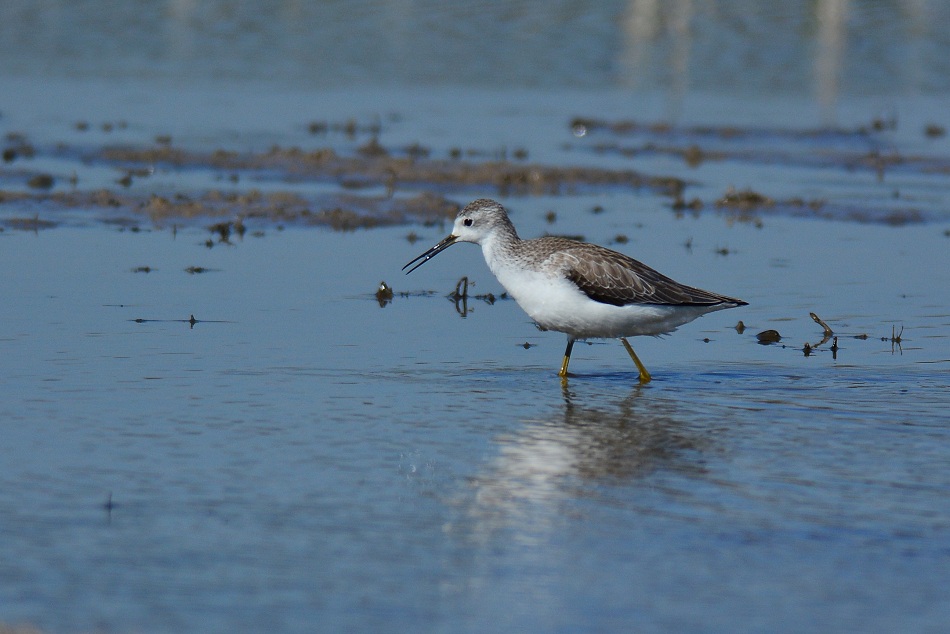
<point x="588" y="444"/>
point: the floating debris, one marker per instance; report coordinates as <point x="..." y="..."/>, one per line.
<point x="461" y="290"/>
<point x="417" y="151"/>
<point x="384" y="294"/>
<point x="20" y="148"/>
<point x="828" y="331"/>
<point x="767" y="337"/>
<point x="41" y="181"/>
<point x="372" y="149"/>
<point x="895" y="336"/>
<point x="29" y="224"/>
<point x="191" y="321"/>
<point x="693" y="156"/>
<point x="680" y="204"/>
<point x="460" y="297"/>
<point x="879" y="124"/>
<point x="744" y="200"/>
<point x="934" y="131"/>
<point x="896" y="340"/>
<point x="581" y="126"/>
<point x="223" y="229"/>
<point x="350" y="128"/>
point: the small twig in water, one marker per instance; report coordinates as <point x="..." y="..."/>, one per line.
<point x="895" y="339"/>
<point x="461" y="290"/>
<point x="828" y="331"/>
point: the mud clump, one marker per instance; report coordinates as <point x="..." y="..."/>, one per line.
<point x="41" y="181"/>
<point x="744" y="200"/>
<point x="29" y="224"/>
<point x="934" y="131"/>
<point x="767" y="337"/>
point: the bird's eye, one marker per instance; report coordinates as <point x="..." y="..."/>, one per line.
<point x="467" y="222"/>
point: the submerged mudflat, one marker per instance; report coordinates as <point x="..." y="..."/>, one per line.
<point x="361" y="183"/>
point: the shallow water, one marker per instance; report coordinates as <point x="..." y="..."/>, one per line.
<point x="306" y="456"/>
<point x="298" y="457"/>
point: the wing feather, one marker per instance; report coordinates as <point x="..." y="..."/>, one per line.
<point x="617" y="279"/>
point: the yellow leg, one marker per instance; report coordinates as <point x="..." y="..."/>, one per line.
<point x="567" y="358"/>
<point x="644" y="375"/>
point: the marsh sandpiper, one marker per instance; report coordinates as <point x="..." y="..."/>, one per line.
<point x="583" y="290"/>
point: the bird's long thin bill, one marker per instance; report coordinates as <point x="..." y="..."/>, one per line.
<point x="431" y="253"/>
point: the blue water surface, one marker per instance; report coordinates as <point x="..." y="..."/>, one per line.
<point x="259" y="445"/>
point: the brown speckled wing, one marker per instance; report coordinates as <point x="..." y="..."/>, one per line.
<point x="613" y="278"/>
